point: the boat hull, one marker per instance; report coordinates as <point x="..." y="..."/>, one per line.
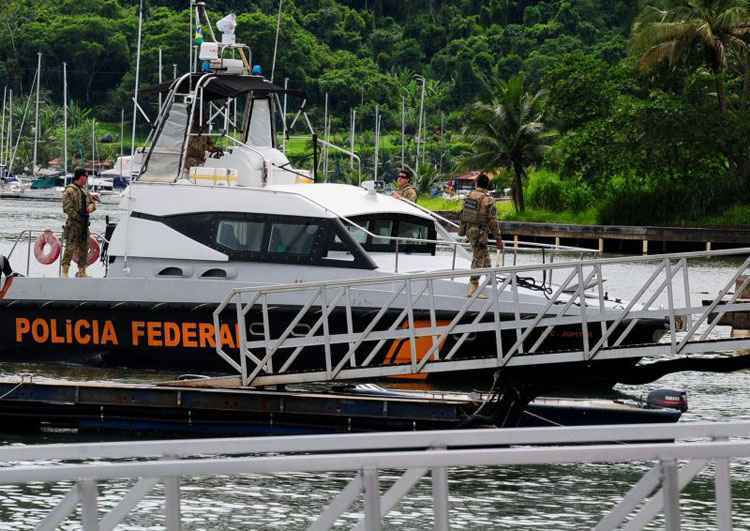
<point x="182" y="336"/>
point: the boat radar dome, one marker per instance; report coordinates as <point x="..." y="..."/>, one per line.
<point x="257" y="70"/>
<point x="226" y="26"/>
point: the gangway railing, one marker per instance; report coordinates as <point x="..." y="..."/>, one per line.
<point x="97" y="470"/>
<point x="27" y="236"/>
<point x="424" y="322"/>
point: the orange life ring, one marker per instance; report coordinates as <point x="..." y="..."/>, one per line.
<point x="94" y="251"/>
<point x="45" y="239"/>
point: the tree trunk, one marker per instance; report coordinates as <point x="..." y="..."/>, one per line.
<point x="745" y="171"/>
<point x="518" y="175"/>
<point x="720" y="92"/>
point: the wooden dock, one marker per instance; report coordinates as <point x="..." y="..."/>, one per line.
<point x="628" y="239"/>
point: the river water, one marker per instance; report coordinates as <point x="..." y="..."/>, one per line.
<point x="515" y="498"/>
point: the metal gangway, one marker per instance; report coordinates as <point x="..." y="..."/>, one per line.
<point x="406" y="309"/>
<point x="163" y="472"/>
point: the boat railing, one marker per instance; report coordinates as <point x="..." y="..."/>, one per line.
<point x="351" y="154"/>
<point x="406" y="322"/>
<point x="515" y="242"/>
<point x="454" y="243"/>
<point x="92" y="475"/>
<point x="255" y="151"/>
<point x="156" y="129"/>
<point x="27" y="235"/>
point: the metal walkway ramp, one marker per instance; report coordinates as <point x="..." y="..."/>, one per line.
<point x="320" y="332"/>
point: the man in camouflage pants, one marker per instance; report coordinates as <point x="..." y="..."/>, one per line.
<point x="478" y="223"/>
<point x="77" y="206"/>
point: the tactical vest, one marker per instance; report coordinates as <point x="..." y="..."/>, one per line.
<point x="476" y="211"/>
<point x="83" y="210"/>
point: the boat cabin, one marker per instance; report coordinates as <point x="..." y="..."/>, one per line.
<point x="219" y="129"/>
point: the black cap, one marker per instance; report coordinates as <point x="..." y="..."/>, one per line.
<point x="483" y="181"/>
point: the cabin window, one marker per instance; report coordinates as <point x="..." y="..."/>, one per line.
<point x="381" y="227"/>
<point x="246" y="237"/>
<point x="293" y="238"/>
<point x="407" y="229"/>
<point x="359" y="235"/>
<point x="240" y="236"/>
<point x="392" y="225"/>
<point x="260" y="128"/>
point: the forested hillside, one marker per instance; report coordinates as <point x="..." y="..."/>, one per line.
<point x="646" y="116"/>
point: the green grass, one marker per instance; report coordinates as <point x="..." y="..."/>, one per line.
<point x="587" y="217"/>
<point x="734" y="216"/>
<point x="113" y="128"/>
<point x="438" y="204"/>
<point x="506" y="212"/>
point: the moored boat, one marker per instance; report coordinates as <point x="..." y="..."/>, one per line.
<point x="209" y="212"/>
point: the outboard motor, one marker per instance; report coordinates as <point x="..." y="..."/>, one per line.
<point x="667" y="398"/>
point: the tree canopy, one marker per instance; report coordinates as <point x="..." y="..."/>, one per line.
<point x="650" y="101"/>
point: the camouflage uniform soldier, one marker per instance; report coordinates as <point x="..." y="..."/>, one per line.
<point x="196" y="151"/>
<point x="77" y="205"/>
<point x="478" y="223"/>
<point x="405" y="189"/>
<point x="200" y="145"/>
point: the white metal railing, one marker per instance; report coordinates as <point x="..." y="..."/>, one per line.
<point x="28" y="235"/>
<point x="331" y="347"/>
<point x="693" y="448"/>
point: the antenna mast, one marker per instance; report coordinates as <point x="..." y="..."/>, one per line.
<point x="137" y="79"/>
<point x="36" y="120"/>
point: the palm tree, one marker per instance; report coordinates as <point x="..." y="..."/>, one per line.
<point x="508" y="133"/>
<point x="712" y="30"/>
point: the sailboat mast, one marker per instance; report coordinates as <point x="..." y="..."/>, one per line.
<point x="403" y="131"/>
<point x="160" y="77"/>
<point x="8" y="160"/>
<point x="23" y="119"/>
<point x="122" y="137"/>
<point x="36" y="119"/>
<point x="190" y="38"/>
<point x="93" y="147"/>
<point x="377" y="139"/>
<point x="65" y="120"/>
<point x="137" y="79"/>
<point x="2" y="130"/>
<point x="276" y="41"/>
